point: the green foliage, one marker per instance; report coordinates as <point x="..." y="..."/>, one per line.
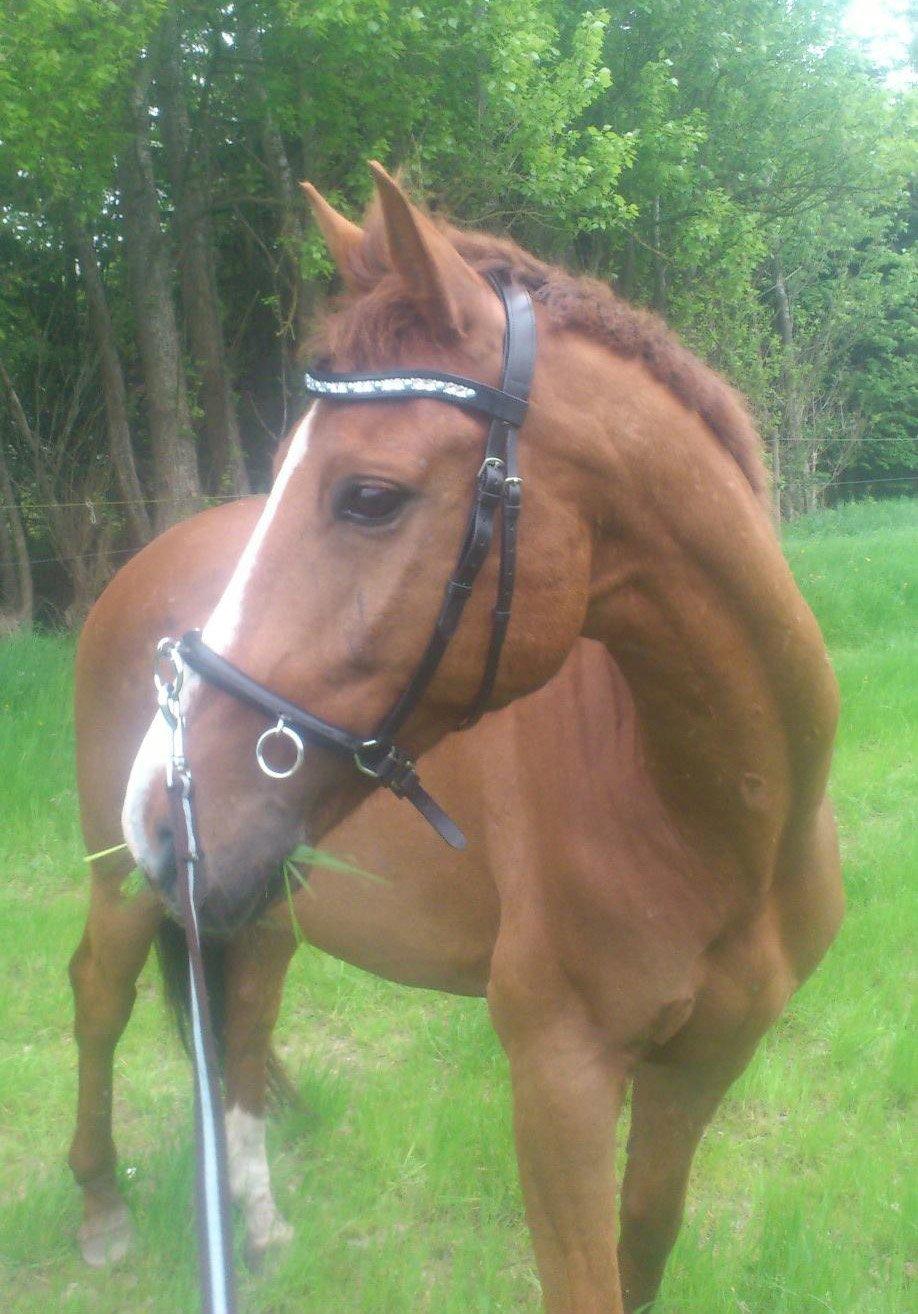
<point x="442" y="88"/>
<point x="696" y="151"/>
<point x="63" y="76"/>
<point x="766" y="141"/>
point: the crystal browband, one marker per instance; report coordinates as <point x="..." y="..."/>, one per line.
<point x="389" y="384"/>
<point x="404" y="387"/>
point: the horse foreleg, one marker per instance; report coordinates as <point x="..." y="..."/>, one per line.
<point x="670" y="1109"/>
<point x="567" y="1090"/>
<point x="256" y="965"/>
<point x="677" y="1090"/>
<point x="674" y="1097"/>
<point x="103" y="974"/>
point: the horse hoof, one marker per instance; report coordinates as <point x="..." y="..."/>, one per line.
<point x="106" y="1238"/>
<point x="274" y="1238"/>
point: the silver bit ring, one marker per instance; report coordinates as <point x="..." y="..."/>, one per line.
<point x="280" y="731"/>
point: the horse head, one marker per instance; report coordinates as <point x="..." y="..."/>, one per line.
<point x="335" y="595"/>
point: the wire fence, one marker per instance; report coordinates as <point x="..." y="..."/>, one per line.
<point x="877" y="479"/>
<point x="92" y="503"/>
<point x="80" y="556"/>
<point x="213" y="499"/>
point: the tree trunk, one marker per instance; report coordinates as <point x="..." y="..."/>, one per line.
<point x="776" y="474"/>
<point x="17" y="605"/>
<point x="659" y="263"/>
<point x="113" y="389"/>
<point x="793" y="498"/>
<point x="171" y="433"/>
<point x="86" y="560"/>
<point x="293" y="214"/>
<point x="629" y="271"/>
<point x="200" y="300"/>
<point x="29" y="436"/>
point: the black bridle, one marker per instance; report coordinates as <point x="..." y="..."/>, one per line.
<point x="498" y="485"/>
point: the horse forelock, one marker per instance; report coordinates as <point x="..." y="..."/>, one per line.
<point x="378" y="326"/>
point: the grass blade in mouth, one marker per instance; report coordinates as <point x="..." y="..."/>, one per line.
<point x="290" y="871"/>
<point x="319" y="858"/>
<point x="105" y="853"/>
<point x="133" y="882"/>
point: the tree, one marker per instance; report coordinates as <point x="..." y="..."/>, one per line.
<point x="176" y="485"/>
<point x="113" y="387"/>
<point x="17" y="595"/>
<point x="188" y="166"/>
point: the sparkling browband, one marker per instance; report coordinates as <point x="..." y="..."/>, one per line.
<point x="364" y="387"/>
<point x="400" y="387"/>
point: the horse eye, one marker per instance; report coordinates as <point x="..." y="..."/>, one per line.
<point x="369" y="502"/>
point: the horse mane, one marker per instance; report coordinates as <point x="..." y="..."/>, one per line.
<point x="380" y="323"/>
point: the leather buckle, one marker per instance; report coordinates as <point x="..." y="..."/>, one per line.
<point x="488" y="464"/>
<point x="367" y="746"/>
<point x="393" y="769"/>
<point x="491" y="480"/>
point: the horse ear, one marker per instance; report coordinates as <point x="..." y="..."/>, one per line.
<point x="445" y="288"/>
<point x="341" y="236"/>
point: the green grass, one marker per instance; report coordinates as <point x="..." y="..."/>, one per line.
<point x="401" y="1181"/>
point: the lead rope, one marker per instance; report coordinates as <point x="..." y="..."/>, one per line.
<point x="212" y="1199"/>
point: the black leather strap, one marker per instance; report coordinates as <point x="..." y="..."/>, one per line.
<point x="216" y="670"/>
<point x="394" y="769"/>
<point x="519" y="362"/>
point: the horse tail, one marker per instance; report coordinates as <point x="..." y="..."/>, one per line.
<point x="172" y="956"/>
<point x="282" y="1091"/>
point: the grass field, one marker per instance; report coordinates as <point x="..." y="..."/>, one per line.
<point x="401" y="1182"/>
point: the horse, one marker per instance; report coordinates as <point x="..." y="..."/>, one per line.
<point x="652" y="864"/>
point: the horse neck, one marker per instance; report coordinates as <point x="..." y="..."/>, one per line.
<point x="693" y="599"/>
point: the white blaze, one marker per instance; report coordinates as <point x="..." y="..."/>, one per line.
<point x="222" y="627"/>
<point x="226" y="617"/>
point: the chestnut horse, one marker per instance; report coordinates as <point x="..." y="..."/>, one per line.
<point x="652" y="865"/>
